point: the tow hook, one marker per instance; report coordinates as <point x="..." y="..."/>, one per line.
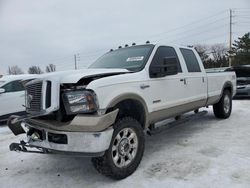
<point x="18" y="147"/>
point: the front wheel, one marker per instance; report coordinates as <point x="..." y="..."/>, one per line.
<point x="223" y="108"/>
<point x="125" y="151"/>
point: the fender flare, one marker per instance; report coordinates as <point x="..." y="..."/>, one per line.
<point x="227" y="84"/>
<point x="131" y="96"/>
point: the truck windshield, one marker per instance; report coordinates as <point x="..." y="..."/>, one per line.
<point x="131" y="58"/>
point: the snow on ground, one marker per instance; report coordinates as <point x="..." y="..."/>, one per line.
<point x="204" y="152"/>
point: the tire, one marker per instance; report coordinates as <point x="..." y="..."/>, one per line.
<point x="120" y="149"/>
<point x="223" y="108"/>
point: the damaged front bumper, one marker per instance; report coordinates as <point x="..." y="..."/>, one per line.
<point x="85" y="135"/>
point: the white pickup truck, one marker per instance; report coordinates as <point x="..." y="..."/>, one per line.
<point x="103" y="111"/>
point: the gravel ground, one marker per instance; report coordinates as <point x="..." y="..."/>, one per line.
<point x="204" y="152"/>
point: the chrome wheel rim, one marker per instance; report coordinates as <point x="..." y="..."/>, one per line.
<point x="226" y="104"/>
<point x="124" y="147"/>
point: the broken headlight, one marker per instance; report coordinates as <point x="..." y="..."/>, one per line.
<point x="80" y="101"/>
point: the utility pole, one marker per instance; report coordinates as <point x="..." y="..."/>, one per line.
<point x="76" y="59"/>
<point x="75" y="62"/>
<point x="230" y="38"/>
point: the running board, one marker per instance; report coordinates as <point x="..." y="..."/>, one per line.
<point x="172" y="124"/>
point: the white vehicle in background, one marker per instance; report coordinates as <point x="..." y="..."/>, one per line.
<point x="12" y="94"/>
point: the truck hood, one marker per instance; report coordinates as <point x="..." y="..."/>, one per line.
<point x="74" y="76"/>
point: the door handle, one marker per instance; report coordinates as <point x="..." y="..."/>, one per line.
<point x="183" y="80"/>
<point x="144" y="86"/>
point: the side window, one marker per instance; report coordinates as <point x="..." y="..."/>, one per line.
<point x="13" y="86"/>
<point x="165" y="51"/>
<point x="191" y="60"/>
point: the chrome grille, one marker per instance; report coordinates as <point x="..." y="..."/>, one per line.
<point x="33" y="97"/>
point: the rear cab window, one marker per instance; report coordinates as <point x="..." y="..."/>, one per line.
<point x="190" y="60"/>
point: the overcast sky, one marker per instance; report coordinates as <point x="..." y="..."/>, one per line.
<point x="52" y="31"/>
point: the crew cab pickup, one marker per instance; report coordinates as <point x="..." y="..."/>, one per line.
<point x="103" y="111"/>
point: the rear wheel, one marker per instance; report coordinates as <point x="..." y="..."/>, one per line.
<point x="223" y="108"/>
<point x="125" y="150"/>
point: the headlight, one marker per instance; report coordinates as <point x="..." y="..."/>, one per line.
<point x="80" y="101"/>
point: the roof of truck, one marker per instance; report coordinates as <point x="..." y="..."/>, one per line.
<point x="151" y="44"/>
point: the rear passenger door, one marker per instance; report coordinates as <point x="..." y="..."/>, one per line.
<point x="195" y="78"/>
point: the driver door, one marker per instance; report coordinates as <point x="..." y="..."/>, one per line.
<point x="167" y="93"/>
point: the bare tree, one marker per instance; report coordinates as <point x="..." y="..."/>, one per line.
<point x="15" y="70"/>
<point x="219" y="53"/>
<point x="50" y="68"/>
<point x="35" y="70"/>
<point x="202" y="51"/>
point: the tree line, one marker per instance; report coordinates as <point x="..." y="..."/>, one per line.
<point x="212" y="56"/>
<point x="31" y="70"/>
<point x="217" y="55"/>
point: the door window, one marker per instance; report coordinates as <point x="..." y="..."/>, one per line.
<point x="163" y="52"/>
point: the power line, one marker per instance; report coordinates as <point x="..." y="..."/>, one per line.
<point x="194" y="34"/>
<point x="191" y="23"/>
<point x="187" y="28"/>
<point x="212" y="37"/>
<point x="244" y="22"/>
<point x="241" y="10"/>
<point x="92" y="53"/>
<point x="195" y="28"/>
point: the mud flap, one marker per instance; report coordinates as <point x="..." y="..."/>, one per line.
<point x="14" y="125"/>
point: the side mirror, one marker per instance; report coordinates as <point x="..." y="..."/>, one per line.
<point x="2" y="90"/>
<point x="169" y="66"/>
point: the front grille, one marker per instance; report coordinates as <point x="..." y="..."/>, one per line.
<point x="48" y="95"/>
<point x="34" y="97"/>
<point x="41" y="97"/>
